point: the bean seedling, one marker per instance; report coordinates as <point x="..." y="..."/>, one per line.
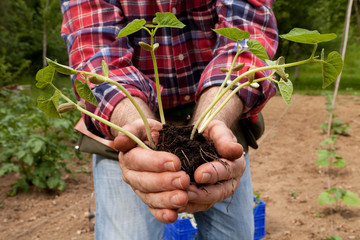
<point x="331" y="68"/>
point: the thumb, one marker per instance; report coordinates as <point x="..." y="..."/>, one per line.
<point x="122" y="142"/>
<point x="224" y="140"/>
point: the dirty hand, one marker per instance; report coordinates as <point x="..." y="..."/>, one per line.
<point x="154" y="176"/>
<point x="222" y="177"/>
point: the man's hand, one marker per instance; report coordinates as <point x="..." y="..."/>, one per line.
<point x="221" y="177"/>
<point x="155" y="176"/>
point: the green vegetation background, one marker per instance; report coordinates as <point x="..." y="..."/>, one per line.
<point x="24" y="22"/>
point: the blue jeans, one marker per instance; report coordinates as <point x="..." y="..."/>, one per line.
<point x="121" y="215"/>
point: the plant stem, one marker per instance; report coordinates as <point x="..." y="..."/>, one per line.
<point x="230" y="70"/>
<point x="158" y="91"/>
<point x="227" y="99"/>
<point x="136" y="105"/>
<point x="271" y="67"/>
<point x="157" y="81"/>
<point x="110" y="124"/>
<point x="314" y="51"/>
<point x="227" y="75"/>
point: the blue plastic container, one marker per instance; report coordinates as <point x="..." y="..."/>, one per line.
<point x="182" y="229"/>
<point x="259" y="219"/>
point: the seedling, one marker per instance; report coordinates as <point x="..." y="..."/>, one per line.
<point x="337" y="127"/>
<point x="334" y="238"/>
<point x="329" y="155"/>
<point x="334" y="194"/>
<point x="331" y="68"/>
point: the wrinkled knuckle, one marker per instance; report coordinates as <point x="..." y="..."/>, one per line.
<point x="146" y="199"/>
<point x="224" y="194"/>
<point x="125" y="179"/>
<point x="141" y="185"/>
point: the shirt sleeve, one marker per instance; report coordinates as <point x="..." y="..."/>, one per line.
<point x="257" y="18"/>
<point x="89" y="30"/>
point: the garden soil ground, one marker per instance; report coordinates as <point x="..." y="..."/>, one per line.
<point x="283" y="170"/>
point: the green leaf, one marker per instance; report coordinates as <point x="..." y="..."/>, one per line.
<point x="323" y="156"/>
<point x="167" y="19"/>
<point x="44" y="76"/>
<point x="286" y="90"/>
<point x="29" y="159"/>
<point x="335" y="59"/>
<point x="131" y="28"/>
<point x="257" y="49"/>
<point x="85" y="92"/>
<point x="21" y="154"/>
<point x="233" y="33"/>
<point x="326" y="198"/>
<point x="8" y="168"/>
<point x="351" y="199"/>
<point x="328" y="141"/>
<point x="329" y="74"/>
<point x="331" y="68"/>
<point x="61" y="68"/>
<point x="38" y="182"/>
<point x="339" y="193"/>
<point x="37" y="145"/>
<point x="105" y="68"/>
<point x="52" y="181"/>
<point x="61" y="185"/>
<point x="340" y="162"/>
<point x="334" y="238"/>
<point x="48" y="106"/>
<point x="301" y="35"/>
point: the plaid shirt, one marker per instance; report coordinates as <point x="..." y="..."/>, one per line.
<point x="189" y="59"/>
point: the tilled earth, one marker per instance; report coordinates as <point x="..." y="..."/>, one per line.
<point x="283" y="170"/>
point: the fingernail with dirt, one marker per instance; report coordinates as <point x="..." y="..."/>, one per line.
<point x="177" y="183"/>
<point x="205" y="178"/>
<point x="169" y="166"/>
<point x="175" y="200"/>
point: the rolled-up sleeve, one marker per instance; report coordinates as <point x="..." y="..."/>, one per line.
<point x="257" y="18"/>
<point x="89" y="30"/>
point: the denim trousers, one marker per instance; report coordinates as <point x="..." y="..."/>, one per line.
<point x="121" y="215"/>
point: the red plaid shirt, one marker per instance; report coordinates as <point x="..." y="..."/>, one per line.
<point x="189" y="59"/>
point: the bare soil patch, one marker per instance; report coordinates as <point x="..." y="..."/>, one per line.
<point x="283" y="170"/>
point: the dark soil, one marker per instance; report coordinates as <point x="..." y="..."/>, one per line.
<point x="192" y="153"/>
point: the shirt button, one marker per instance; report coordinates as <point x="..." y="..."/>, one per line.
<point x="187" y="98"/>
<point x="181" y="57"/>
<point x="174" y="10"/>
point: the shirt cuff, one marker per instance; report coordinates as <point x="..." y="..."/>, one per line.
<point x="109" y="95"/>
